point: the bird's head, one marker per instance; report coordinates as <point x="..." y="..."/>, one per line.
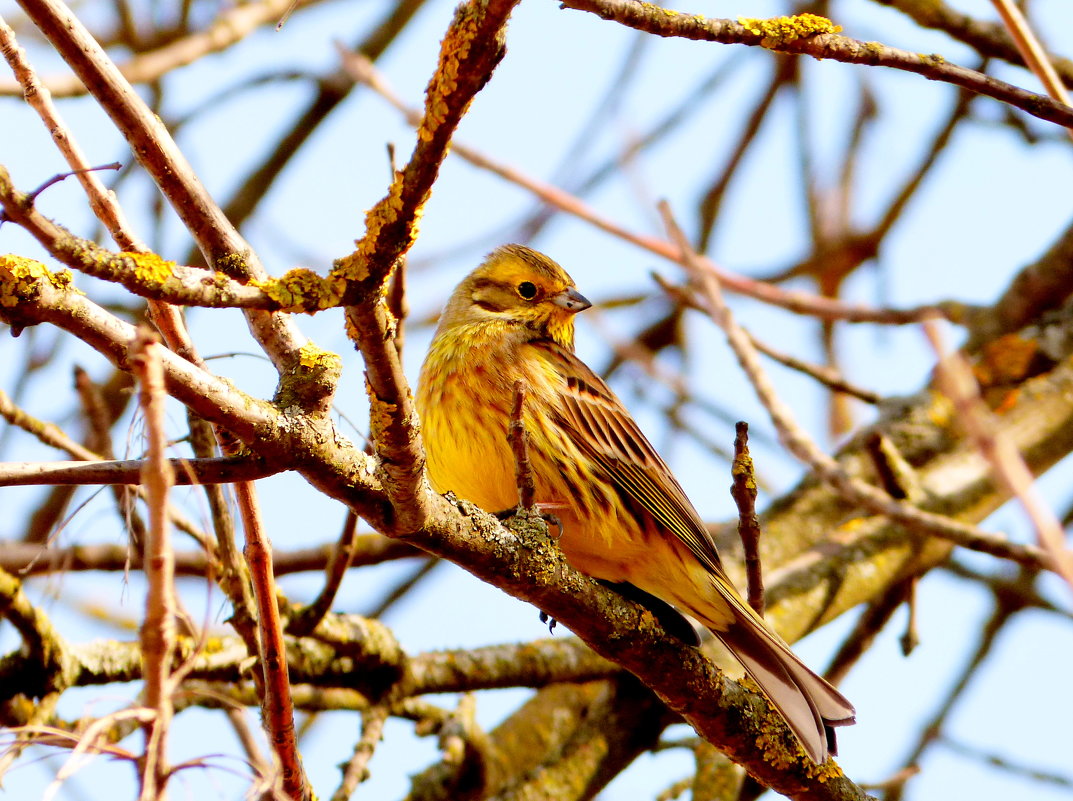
<point x="518" y="286"/>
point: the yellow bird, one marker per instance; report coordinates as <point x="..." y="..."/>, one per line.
<point x="624" y="517"/>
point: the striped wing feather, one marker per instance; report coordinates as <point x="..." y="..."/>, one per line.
<point x="604" y="430"/>
<point x="607" y="433"/>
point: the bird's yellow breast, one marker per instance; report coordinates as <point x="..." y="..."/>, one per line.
<point x="464" y="400"/>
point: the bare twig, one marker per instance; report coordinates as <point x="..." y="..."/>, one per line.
<point x="823" y="45"/>
<point x="158" y="628"/>
<point x="214" y="470"/>
<point x="307" y="618"/>
<point x="31" y="559"/>
<point x="277" y="704"/>
<point x="824" y="374"/>
<point x="793" y="300"/>
<point x="160" y="156"/>
<point x="1031" y="50"/>
<point x="801" y="445"/>
<point x="228" y="27"/>
<point x="404" y="585"/>
<point x="955" y="378"/>
<point x="356" y="771"/>
<point x="519" y="446"/>
<point x="744" y="492"/>
<point x="865" y="630"/>
<point x="910" y="637"/>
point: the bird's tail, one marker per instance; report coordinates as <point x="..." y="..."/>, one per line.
<point x="807" y="702"/>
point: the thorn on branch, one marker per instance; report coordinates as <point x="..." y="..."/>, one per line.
<point x="743" y="491"/>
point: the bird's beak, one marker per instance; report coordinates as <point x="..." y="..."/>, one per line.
<point x="571" y="300"/>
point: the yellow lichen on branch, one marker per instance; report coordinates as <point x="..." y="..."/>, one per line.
<point x="453" y="51"/>
<point x="20" y="278"/>
<point x="783" y="30"/>
<point x="301" y="290"/>
<point x="354" y="267"/>
<point x="149" y="268"/>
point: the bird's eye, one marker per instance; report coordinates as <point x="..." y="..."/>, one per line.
<point x="527" y="289"/>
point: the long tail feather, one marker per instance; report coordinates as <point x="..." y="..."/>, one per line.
<point x="809" y="704"/>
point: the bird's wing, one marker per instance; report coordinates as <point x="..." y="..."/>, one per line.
<point x="603" y="429"/>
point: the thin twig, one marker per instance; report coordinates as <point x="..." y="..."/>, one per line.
<point x="356" y="771"/>
<point x="825" y="45"/>
<point x="957" y="382"/>
<point x="1032" y="51"/>
<point x="213" y="470"/>
<point x="519" y="446"/>
<point x="865" y="630"/>
<point x="828" y="376"/>
<point x="158" y="632"/>
<point x="793" y="300"/>
<point x="307" y="618"/>
<point x="407" y="583"/>
<point x="162" y="159"/>
<point x="744" y="492"/>
<point x="228" y="27"/>
<point x="797" y="441"/>
<point x="277" y="704"/>
<point x="910" y="637"/>
<point x="33" y="559"/>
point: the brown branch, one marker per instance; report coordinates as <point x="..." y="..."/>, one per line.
<point x="159" y="155"/>
<point x="228" y="27"/>
<point x="214" y="470"/>
<point x="278" y="709"/>
<point x="533" y="664"/>
<point x="471" y="49"/>
<point x="398" y="591"/>
<point x="102" y="202"/>
<point x="305" y="620"/>
<point x="356" y="771"/>
<point x="519" y="446"/>
<point x="664" y="22"/>
<point x="798" y="442"/>
<point x="331" y="91"/>
<point x="792" y="300"/>
<point x="521" y="566"/>
<point x="910" y="638"/>
<point x="145" y="275"/>
<point x="865" y="630"/>
<point x="51" y="665"/>
<point x="31" y="559"/>
<point x="1006" y="606"/>
<point x="393" y="423"/>
<point x="158" y="628"/>
<point x="785" y="73"/>
<point x="53" y="436"/>
<point x="824" y="374"/>
<point x="743" y="491"/>
<point x="987" y="38"/>
<point x="956" y="380"/>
